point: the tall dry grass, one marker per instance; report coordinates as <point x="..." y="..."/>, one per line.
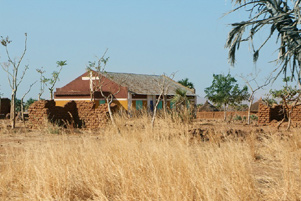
<point x="145" y="164"/>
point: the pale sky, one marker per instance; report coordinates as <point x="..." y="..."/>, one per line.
<point x="146" y="37"/>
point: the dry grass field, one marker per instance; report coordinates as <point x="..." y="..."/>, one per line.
<point x="175" y="161"/>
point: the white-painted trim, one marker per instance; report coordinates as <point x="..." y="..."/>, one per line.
<point x="88" y="78"/>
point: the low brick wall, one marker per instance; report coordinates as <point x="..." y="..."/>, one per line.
<point x="220" y="114"/>
<point x="79" y="114"/>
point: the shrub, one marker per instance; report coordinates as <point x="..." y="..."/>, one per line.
<point x="237" y="118"/>
<point x="253" y="117"/>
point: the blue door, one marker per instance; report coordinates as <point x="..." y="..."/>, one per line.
<point x="151" y="105"/>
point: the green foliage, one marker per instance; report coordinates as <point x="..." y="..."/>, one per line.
<point x="180" y="99"/>
<point x="253" y="117"/>
<point x="18" y="105"/>
<point x="269" y="101"/>
<point x="287" y="92"/>
<point x="29" y="102"/>
<point x="55" y="74"/>
<point x="240" y="107"/>
<point x="237" y="118"/>
<point x="225" y="91"/>
<point x="186" y="83"/>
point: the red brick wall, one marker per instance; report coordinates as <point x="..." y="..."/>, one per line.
<point x="76" y="113"/>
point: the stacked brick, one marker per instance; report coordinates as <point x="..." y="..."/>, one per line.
<point x="79" y="114"/>
<point x="91" y="117"/>
<point x="296" y="114"/>
<point x="264" y="114"/>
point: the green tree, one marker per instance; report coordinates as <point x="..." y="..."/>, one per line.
<point x="224" y="91"/>
<point x="29" y="102"/>
<point x="269" y="101"/>
<point x="185" y="82"/>
<point x="281" y="17"/>
<point x="180" y="100"/>
<point x="43" y="81"/>
<point x="55" y="77"/>
<point x="182" y="105"/>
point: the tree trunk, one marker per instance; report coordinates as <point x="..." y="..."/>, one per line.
<point x="13" y="110"/>
<point x="249" y="111"/>
<point x="22" y="112"/>
<point x="0" y="105"/>
<point x="164" y="105"/>
<point x="155" y="112"/>
<point x="289" y="121"/>
<point x="225" y="113"/>
<point x="51" y="94"/>
<point x="109" y="101"/>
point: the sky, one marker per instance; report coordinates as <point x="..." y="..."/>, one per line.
<point x="142" y="36"/>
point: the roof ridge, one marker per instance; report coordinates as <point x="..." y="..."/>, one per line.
<point x="133" y="73"/>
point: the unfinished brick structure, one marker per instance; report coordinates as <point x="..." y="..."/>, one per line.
<point x="267" y="114"/>
<point x="79" y="114"/>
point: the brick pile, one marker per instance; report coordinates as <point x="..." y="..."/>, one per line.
<point x="91" y="117"/>
<point x="79" y="114"/>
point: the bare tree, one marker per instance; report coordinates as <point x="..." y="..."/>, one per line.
<point x="12" y="68"/>
<point x="163" y="86"/>
<point x="98" y="73"/>
<point x="253" y="85"/>
<point x="22" y="99"/>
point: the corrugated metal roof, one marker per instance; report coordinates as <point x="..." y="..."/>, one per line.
<point x="147" y="84"/>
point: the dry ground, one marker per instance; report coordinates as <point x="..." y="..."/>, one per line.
<point x="206" y="160"/>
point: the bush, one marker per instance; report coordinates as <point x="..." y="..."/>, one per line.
<point x="237" y="118"/>
<point x="253" y="117"/>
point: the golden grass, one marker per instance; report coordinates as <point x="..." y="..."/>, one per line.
<point x="144" y="164"/>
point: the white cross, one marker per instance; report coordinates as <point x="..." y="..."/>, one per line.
<point x="90" y="78"/>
